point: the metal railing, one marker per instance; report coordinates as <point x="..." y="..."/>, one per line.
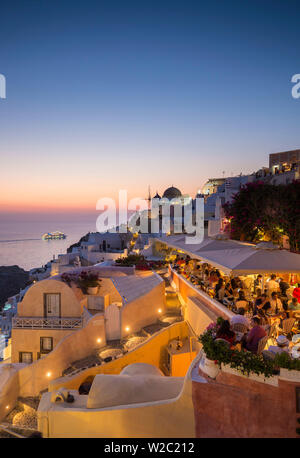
<point x="46" y="322"/>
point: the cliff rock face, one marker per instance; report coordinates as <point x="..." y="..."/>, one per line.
<point x="83" y="239"/>
<point x="12" y="279"/>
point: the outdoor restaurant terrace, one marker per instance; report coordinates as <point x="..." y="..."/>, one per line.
<point x="248" y="285"/>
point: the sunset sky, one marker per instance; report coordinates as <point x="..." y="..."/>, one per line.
<point x="109" y="95"/>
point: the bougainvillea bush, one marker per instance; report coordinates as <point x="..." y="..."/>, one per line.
<point x="85" y="279"/>
<point x="262" y="209"/>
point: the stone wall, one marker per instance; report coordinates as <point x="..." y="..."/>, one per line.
<point x="233" y="406"/>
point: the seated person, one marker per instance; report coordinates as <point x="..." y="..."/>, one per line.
<point x="228" y="295"/>
<point x="263" y="308"/>
<point x="234" y="283"/>
<point x="240" y="318"/>
<point x="294" y="305"/>
<point x="218" y="274"/>
<point x="219" y="290"/>
<point x="276" y="304"/>
<point x="284" y="286"/>
<point x="254" y="336"/>
<point x="258" y="283"/>
<point x="224" y="332"/>
<point x="272" y="285"/>
<point x="206" y="275"/>
<point x="213" y="279"/>
<point x="241" y="301"/>
<point x="228" y="291"/>
<point x="258" y="301"/>
<point x="282" y="345"/>
<point x="247" y="284"/>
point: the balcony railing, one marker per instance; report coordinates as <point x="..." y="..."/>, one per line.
<point x="48" y="323"/>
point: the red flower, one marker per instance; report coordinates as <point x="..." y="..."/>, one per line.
<point x="296" y="294"/>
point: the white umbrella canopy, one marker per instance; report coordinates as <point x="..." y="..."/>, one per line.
<point x="225" y="259"/>
<point x="239" y="258"/>
<point x="269" y="261"/>
<point x="248" y="260"/>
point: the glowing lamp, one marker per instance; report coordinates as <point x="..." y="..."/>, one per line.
<point x="99" y="340"/>
<point x="48" y="374"/>
<point x="159" y="310"/>
<point x="127" y="328"/>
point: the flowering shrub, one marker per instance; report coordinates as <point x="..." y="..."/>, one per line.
<point x="243" y="361"/>
<point x="85" y="279"/>
<point x="139" y="262"/>
<point x="131" y="260"/>
<point x="261" y="209"/>
<point x="296" y="294"/>
<point x="285" y="361"/>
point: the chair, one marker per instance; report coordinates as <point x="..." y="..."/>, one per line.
<point x="261" y="344"/>
<point x="239" y="327"/>
<point x="272" y="334"/>
<point x="287" y="326"/>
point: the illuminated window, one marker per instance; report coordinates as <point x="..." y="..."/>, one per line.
<point x="25" y="357"/>
<point x="46" y="344"/>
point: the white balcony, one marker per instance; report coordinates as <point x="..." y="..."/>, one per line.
<point x="46" y="323"/>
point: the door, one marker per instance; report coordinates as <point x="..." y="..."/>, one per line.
<point x="112" y="322"/>
<point x="52" y="305"/>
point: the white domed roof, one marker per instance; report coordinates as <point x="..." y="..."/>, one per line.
<point x="172" y="193"/>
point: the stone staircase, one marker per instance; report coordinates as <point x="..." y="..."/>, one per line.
<point x="21" y="422"/>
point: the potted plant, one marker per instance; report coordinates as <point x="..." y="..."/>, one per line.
<point x="247" y="364"/>
<point x="208" y="363"/>
<point x="289" y="367"/>
<point x="88" y="281"/>
<point x="218" y="354"/>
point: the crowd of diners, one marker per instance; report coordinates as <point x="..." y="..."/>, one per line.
<point x="255" y="332"/>
<point x="265" y="306"/>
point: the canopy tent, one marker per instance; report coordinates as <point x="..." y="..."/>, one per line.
<point x="253" y="261"/>
<point x="238" y="258"/>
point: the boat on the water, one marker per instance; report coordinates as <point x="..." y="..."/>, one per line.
<point x="54" y="235"/>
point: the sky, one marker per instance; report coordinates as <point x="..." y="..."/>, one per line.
<point x="110" y="95"/>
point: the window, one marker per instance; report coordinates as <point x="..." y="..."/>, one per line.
<point x="46" y="344"/>
<point x="25" y="357"/>
<point x="52" y="304"/>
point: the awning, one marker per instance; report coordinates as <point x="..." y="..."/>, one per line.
<point x="238" y="258"/>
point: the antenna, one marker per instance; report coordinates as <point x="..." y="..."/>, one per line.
<point x="149" y="196"/>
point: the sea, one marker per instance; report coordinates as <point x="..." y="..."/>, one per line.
<point x="21" y="242"/>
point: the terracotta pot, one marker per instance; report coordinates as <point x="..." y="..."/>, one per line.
<point x="92" y="290"/>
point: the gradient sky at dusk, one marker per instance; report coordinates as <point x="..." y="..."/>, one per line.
<point x="109" y="95"/>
